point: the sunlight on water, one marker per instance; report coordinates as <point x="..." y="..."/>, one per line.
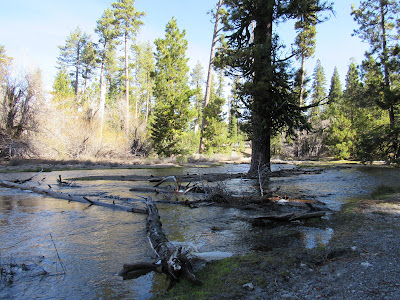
<point x="94" y="242"/>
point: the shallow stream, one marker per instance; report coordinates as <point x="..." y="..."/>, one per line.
<point x="94" y="242"/>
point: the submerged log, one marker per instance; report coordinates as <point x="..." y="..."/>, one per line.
<point x="172" y="261"/>
<point x="286" y="217"/>
<point x="133" y="271"/>
<point x="64" y="196"/>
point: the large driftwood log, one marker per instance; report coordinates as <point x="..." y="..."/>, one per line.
<point x="172" y="261"/>
<point x="64" y="196"/>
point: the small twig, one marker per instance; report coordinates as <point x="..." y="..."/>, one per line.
<point x="59" y="259"/>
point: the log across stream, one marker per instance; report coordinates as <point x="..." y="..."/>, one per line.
<point x="172" y="260"/>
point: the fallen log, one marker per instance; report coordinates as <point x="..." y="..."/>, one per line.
<point x="172" y="261"/>
<point x="64" y="196"/>
<point x="286" y="217"/>
<point x="157" y="190"/>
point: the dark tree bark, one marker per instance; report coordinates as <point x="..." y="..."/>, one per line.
<point x="261" y="141"/>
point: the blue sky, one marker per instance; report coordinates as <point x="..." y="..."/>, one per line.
<point x="30" y="30"/>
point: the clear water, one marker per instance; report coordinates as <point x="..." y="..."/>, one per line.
<point x="94" y="242"/>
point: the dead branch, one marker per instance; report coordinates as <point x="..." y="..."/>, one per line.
<point x="167" y="178"/>
<point x="64" y="196"/>
<point x="172" y="261"/>
<point x="28" y="179"/>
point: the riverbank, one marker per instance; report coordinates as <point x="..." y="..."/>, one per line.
<point x="360" y="262"/>
<point x="28" y="165"/>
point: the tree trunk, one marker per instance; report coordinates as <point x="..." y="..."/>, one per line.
<point x="127" y="113"/>
<point x="77" y="74"/>
<point x="147" y="98"/>
<point x="303" y="73"/>
<point x="262" y="99"/>
<point x="386" y="60"/>
<point x="260" y="152"/>
<point x="102" y="100"/>
<point x="209" y="74"/>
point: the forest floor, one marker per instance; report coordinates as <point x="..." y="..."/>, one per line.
<point x="361" y="261"/>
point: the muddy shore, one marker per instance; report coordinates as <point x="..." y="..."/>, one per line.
<point x="361" y="261"/>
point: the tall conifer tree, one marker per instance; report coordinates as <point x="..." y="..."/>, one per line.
<point x="71" y="54"/>
<point x="197" y="82"/>
<point x="305" y="42"/>
<point x="108" y="33"/>
<point x="318" y="88"/>
<point x="252" y="52"/>
<point x="377" y="20"/>
<point x="172" y="93"/>
<point x="335" y="90"/>
<point x="128" y="19"/>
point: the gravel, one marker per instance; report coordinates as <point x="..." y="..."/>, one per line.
<point x="361" y="262"/>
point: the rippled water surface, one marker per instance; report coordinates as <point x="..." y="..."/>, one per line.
<point x="94" y="242"/>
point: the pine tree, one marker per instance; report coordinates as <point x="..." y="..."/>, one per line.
<point x="62" y="87"/>
<point x="216" y="132"/>
<point x="197" y="82"/>
<point x="305" y="42"/>
<point x="345" y="115"/>
<point x="234" y="105"/>
<point x="108" y="33"/>
<point x="335" y="90"/>
<point x="128" y="20"/>
<point x="352" y="91"/>
<point x="172" y="93"/>
<point x="71" y="54"/>
<point x="89" y="62"/>
<point x="373" y="92"/>
<point x="318" y="89"/>
<point x="311" y="144"/>
<point x="251" y="52"/>
<point x="375" y="139"/>
<point x="378" y="20"/>
<point x="145" y="66"/>
<point x="207" y="94"/>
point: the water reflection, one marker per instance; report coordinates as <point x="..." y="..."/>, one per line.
<point x="93" y="245"/>
<point x="94" y="242"/>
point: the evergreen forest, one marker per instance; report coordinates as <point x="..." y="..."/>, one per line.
<point x="115" y="97"/>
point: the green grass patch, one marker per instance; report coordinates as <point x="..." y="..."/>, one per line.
<point x="384" y="190"/>
<point x="225" y="278"/>
<point x="217" y="277"/>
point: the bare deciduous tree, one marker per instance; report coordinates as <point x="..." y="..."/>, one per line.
<point x="18" y="114"/>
